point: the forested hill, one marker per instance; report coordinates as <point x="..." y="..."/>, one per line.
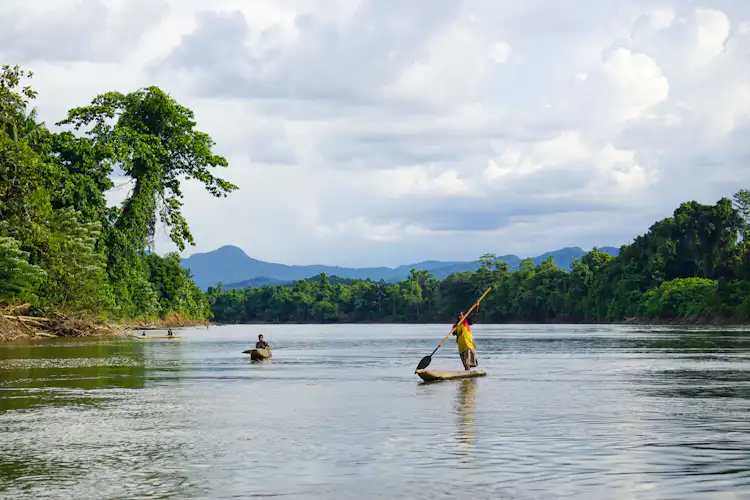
<point x="230" y="266"/>
<point x="693" y="266"/>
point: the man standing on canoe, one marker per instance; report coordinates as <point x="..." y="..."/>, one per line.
<point x="465" y="340"/>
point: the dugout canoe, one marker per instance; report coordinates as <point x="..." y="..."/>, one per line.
<point x="437" y="375"/>
<point x="258" y="353"/>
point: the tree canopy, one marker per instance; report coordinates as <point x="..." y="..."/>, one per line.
<point x="692" y="265"/>
<point x="61" y="246"/>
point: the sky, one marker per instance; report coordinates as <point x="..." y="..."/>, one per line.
<point x="385" y="132"/>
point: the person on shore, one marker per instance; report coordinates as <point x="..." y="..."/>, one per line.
<point x="261" y="344"/>
<point x="465" y="340"/>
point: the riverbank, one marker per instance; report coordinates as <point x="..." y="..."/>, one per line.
<point x="686" y="321"/>
<point x="689" y="321"/>
<point x="31" y="327"/>
<point x="19" y="327"/>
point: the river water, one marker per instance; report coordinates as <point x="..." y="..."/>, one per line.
<point x="565" y="411"/>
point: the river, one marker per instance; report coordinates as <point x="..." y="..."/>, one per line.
<point x="565" y="411"/>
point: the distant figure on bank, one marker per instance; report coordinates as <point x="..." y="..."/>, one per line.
<point x="261" y="344"/>
<point x="465" y="340"/>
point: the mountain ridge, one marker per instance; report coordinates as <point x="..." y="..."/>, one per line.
<point x="232" y="267"/>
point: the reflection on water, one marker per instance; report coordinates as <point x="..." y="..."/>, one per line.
<point x="465" y="391"/>
<point x="583" y="412"/>
<point x="732" y="384"/>
<point x="59" y="391"/>
<point x="60" y="373"/>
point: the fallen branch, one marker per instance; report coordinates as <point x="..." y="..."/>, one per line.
<point x="27" y="318"/>
<point x="42" y="334"/>
<point x="27" y="327"/>
<point x="13" y="327"/>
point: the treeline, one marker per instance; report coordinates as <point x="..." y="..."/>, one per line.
<point x="694" y="265"/>
<point x="62" y="249"/>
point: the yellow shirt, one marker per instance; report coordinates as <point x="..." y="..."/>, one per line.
<point x="464" y="338"/>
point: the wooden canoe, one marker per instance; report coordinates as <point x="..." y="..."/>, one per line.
<point x="436" y="375"/>
<point x="258" y="353"/>
<point x="147" y="337"/>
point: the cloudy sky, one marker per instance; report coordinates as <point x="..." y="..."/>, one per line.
<point x="382" y="132"/>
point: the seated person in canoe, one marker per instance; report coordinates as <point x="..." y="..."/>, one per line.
<point x="261" y="344"/>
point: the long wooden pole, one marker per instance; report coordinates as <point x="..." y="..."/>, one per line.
<point x="427" y="359"/>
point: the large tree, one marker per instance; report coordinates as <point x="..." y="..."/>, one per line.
<point x="152" y="140"/>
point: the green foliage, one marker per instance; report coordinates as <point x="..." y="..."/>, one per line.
<point x="175" y="288"/>
<point x="735" y="299"/>
<point x="742" y="203"/>
<point x="85" y="176"/>
<point x="25" y="191"/>
<point x="76" y="275"/>
<point x="686" y="266"/>
<point x="59" y="241"/>
<point x="16" y="274"/>
<point x="153" y="140"/>
<point x="681" y="298"/>
<point x="14" y="99"/>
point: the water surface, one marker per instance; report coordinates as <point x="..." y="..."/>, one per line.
<point x="578" y="411"/>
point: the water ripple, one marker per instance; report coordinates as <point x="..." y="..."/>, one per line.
<point x="565" y="412"/>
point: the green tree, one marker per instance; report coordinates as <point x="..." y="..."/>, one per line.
<point x="742" y="203"/>
<point x="16" y="274"/>
<point x="176" y="290"/>
<point x="25" y="194"/>
<point x="681" y="298"/>
<point x="153" y="140"/>
<point x="85" y="178"/>
<point x="14" y="100"/>
<point x="76" y="275"/>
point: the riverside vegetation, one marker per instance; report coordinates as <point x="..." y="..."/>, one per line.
<point x="70" y="264"/>
<point x="65" y="256"/>
<point x="693" y="267"/>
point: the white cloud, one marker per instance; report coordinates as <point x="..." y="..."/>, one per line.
<point x="360" y="227"/>
<point x="634" y="82"/>
<point x="712" y="32"/>
<point x="419" y="181"/>
<point x="370" y="132"/>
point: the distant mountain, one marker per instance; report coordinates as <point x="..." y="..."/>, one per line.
<point x="231" y="266"/>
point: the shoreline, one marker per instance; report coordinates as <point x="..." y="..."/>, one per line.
<point x="35" y="328"/>
<point x="18" y="327"/>
<point x="692" y="321"/>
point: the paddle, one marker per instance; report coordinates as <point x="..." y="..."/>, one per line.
<point x="428" y="359"/>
